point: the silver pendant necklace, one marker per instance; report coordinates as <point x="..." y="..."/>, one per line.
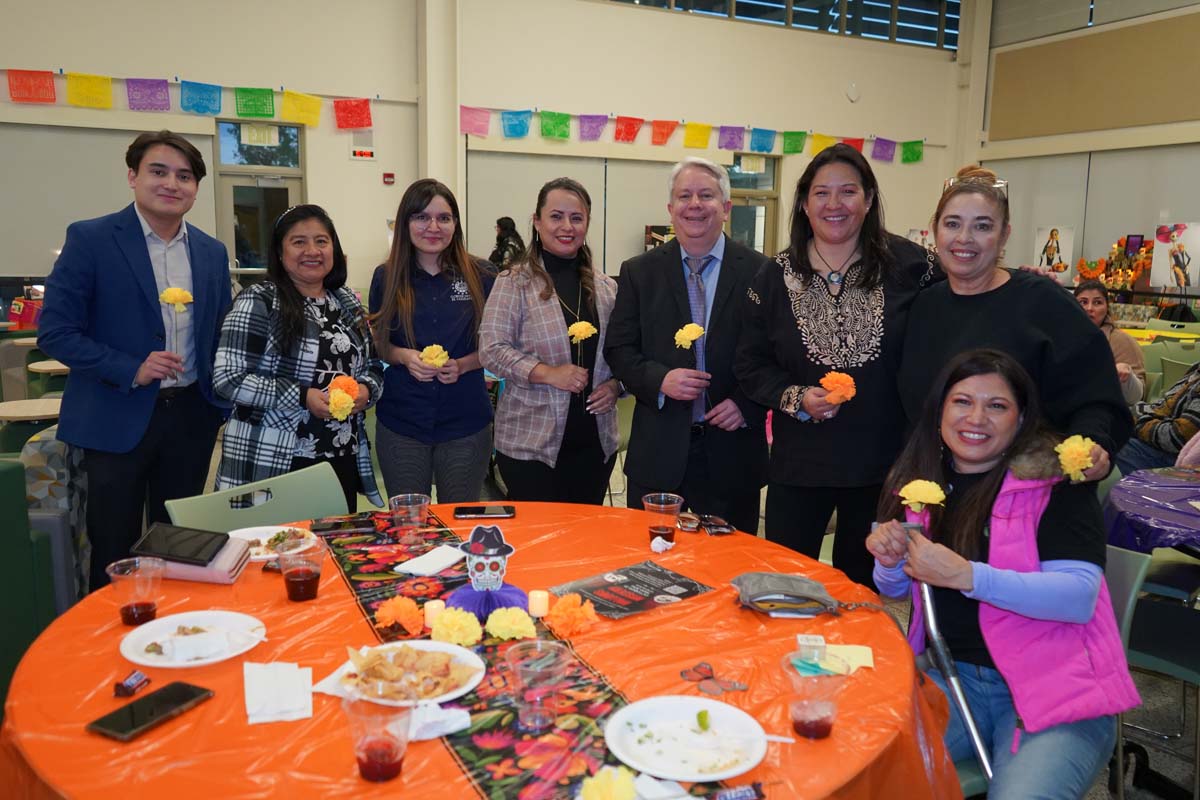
<point x="835" y="275"/>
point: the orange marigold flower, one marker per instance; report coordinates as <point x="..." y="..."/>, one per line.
<point x="571" y="614"/>
<point x="402" y="611"/>
<point x="840" y="387"/>
<point x="346" y="384"/>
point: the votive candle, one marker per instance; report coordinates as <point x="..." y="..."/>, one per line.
<point x="539" y="603"/>
<point x="433" y="608"/>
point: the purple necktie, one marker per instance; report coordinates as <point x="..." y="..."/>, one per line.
<point x="695" y="287"/>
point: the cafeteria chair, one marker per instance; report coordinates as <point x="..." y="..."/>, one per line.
<point x="625" y="406"/>
<point x="304" y="494"/>
<point x="1176" y="327"/>
<point x="1175" y="575"/>
<point x="1173" y="372"/>
<point x="1124" y="572"/>
<point x="1105" y="486"/>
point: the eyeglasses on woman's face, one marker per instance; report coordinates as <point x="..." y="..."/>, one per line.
<point x="423" y="220"/>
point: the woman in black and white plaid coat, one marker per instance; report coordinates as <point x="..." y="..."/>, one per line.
<point x="282" y="344"/>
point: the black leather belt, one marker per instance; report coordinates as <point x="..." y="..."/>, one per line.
<point x="171" y="392"/>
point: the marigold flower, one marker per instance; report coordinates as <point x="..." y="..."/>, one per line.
<point x="688" y="334"/>
<point x="1075" y="455"/>
<point x="177" y="297"/>
<point x="581" y="330"/>
<point x="510" y="623"/>
<point x="340" y="404"/>
<point x="571" y="614"/>
<point x="435" y="355"/>
<point x="609" y="783"/>
<point x="840" y="387"/>
<point x="456" y="627"/>
<point x="346" y="384"/>
<point x="918" y="494"/>
<point x="403" y="611"/>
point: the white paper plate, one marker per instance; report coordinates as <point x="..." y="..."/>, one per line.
<point x="243" y="630"/>
<point x="333" y="684"/>
<point x="659" y="736"/>
<point x="263" y="533"/>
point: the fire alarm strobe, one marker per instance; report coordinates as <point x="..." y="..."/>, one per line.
<point x="362" y="154"/>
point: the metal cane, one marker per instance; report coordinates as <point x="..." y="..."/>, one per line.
<point x="941" y="656"/>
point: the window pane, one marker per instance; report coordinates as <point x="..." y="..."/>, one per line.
<point x="917" y="22"/>
<point x="953" y="11"/>
<point x="740" y="178"/>
<point x="870" y="19"/>
<point x="284" y="154"/>
<point x="716" y="8"/>
<point x="651" y="3"/>
<point x="748" y="226"/>
<point x="816" y="15"/>
<point x="255" y="210"/>
<point x="772" y="11"/>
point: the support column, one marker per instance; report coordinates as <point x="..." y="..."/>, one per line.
<point x="440" y="152"/>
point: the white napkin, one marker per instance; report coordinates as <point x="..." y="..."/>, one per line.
<point x="432" y="562"/>
<point x="277" y="692"/>
<point x="648" y="788"/>
<point x="195" y="646"/>
<point x="661" y="545"/>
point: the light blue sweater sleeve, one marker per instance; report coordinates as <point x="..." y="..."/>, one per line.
<point x="1064" y="591"/>
<point x="891" y="581"/>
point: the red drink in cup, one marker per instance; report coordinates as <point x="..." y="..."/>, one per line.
<point x="813" y="719"/>
<point x="135" y="583"/>
<point x="380" y="759"/>
<point x="301" y="583"/>
<point x="137" y="613"/>
<point x="379" y="732"/>
<point x="300" y="562"/>
<point x="663" y="531"/>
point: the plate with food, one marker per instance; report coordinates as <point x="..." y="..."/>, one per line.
<point x="679" y="738"/>
<point x="265" y="538"/>
<point x="192" y="639"/>
<point x="414" y="672"/>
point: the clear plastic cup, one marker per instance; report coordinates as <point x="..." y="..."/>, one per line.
<point x="380" y="734"/>
<point x="300" y="562"/>
<point x="664" y="508"/>
<point x="536" y="669"/>
<point x="409" y="514"/>
<point x="136" y="583"/>
<point x="813" y="706"/>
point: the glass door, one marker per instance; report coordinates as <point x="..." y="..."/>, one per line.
<point x="246" y="212"/>
<point x="752" y="223"/>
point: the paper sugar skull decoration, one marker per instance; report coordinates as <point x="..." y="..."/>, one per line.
<point x="487" y="558"/>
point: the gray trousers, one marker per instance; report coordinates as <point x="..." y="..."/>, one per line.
<point x="457" y="467"/>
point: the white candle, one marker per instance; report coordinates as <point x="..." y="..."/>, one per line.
<point x="539" y="603"/>
<point x="432" y="609"/>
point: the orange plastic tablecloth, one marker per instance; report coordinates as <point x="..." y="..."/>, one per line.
<point x="887" y="740"/>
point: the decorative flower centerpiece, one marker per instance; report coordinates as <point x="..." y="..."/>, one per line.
<point x="581" y="330"/>
<point x="609" y="783"/>
<point x="402" y="611"/>
<point x="457" y="627"/>
<point x="177" y="297"/>
<point x="435" y="356"/>
<point x="920" y="493"/>
<point x="687" y="335"/>
<point x="510" y="623"/>
<point x="343" y="392"/>
<point x="1075" y="456"/>
<point x="571" y="614"/>
<point x="1091" y="269"/>
<point x="840" y="387"/>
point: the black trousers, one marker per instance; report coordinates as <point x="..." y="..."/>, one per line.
<point x="345" y="467"/>
<point x="703" y="494"/>
<point x="170" y="461"/>
<point x="797" y="517"/>
<point x="580" y="476"/>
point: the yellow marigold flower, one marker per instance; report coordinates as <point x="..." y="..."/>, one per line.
<point x="609" y="783"/>
<point x="840" y="387"/>
<point x="571" y="614"/>
<point x="435" y="355"/>
<point x="456" y="627"/>
<point x="177" y="297"/>
<point x="340" y="404"/>
<point x="510" y="623"/>
<point x="918" y="494"/>
<point x="581" y="330"/>
<point x="1075" y="455"/>
<point x="688" y="334"/>
<point x="402" y="611"/>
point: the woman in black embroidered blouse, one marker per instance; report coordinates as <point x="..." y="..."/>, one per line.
<point x="836" y="300"/>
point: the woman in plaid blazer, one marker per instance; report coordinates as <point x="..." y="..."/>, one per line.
<point x="556" y="423"/>
<point x="282" y="344"/>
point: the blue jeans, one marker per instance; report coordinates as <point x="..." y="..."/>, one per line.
<point x="1136" y="455"/>
<point x="1059" y="762"/>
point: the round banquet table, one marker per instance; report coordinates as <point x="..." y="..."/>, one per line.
<point x="1153" y="508"/>
<point x="888" y="732"/>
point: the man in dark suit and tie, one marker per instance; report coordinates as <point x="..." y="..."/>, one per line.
<point x="694" y="432"/>
<point x="134" y="307"/>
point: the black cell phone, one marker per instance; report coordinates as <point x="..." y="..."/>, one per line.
<point x="133" y="719"/>
<point x="358" y="522"/>
<point x="484" y="512"/>
<point x="185" y="545"/>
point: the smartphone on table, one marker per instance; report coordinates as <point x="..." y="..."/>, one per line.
<point x="364" y="521"/>
<point x="133" y="719"/>
<point x="484" y="512"/>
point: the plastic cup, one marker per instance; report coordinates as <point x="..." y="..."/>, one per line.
<point x="813" y="706"/>
<point x="536" y="669"/>
<point x="409" y="513"/>
<point x="300" y="562"/>
<point x="380" y="735"/>
<point x="136" y="582"/>
<point x="664" y="508"/>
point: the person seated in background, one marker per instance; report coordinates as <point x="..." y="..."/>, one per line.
<point x="509" y="244"/>
<point x="1131" y="365"/>
<point x="1161" y="429"/>
<point x="1015" y="560"/>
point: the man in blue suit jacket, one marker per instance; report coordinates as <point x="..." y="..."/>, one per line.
<point x="139" y="397"/>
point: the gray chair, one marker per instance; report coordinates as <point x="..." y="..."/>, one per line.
<point x="304" y="494"/>
<point x="1124" y="573"/>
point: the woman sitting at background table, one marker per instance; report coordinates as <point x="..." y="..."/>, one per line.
<point x="1131" y="365"/>
<point x="433" y="423"/>
<point x="1032" y="319"/>
<point x="281" y="345"/>
<point x="509" y="245"/>
<point x="836" y="299"/>
<point x="556" y="423"/>
<point x="1016" y="562"/>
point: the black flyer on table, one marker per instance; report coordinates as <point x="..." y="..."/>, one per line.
<point x="629" y="590"/>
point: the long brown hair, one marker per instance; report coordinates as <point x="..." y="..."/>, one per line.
<point x="396" y="306"/>
<point x="923" y="458"/>
<point x="532" y="260"/>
